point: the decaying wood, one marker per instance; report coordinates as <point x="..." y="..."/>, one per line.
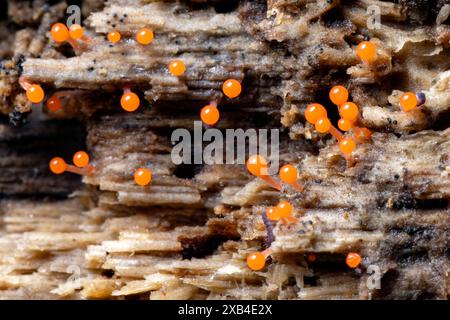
<point x="187" y="235"/>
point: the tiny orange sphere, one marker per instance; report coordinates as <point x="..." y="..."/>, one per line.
<point x="53" y="103"/>
<point x="59" y="32"/>
<point x="353" y="260"/>
<point x="257" y="165"/>
<point x="114" y="36"/>
<point x="288" y="173"/>
<point x="345" y="125"/>
<point x="57" y="165"/>
<point x="256" y="261"/>
<point x="177" y="68"/>
<point x="366" y="51"/>
<point x="347" y="145"/>
<point x="284" y="209"/>
<point x="35" y="93"/>
<point x="314" y="112"/>
<point x="338" y="95"/>
<point x="81" y="159"/>
<point x="144" y="36"/>
<point x="323" y="125"/>
<point x="130" y="101"/>
<point x="311" y="257"/>
<point x="273" y="214"/>
<point x="209" y="115"/>
<point x="142" y="176"/>
<point x="349" y="111"/>
<point x="408" y="101"/>
<point x="76" y="31"/>
<point x="232" y="88"/>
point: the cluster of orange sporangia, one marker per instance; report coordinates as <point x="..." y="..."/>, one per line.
<point x="283" y="211"/>
<point x="82" y="166"/>
<point x="80" y="159"/>
<point x="315" y="114"/>
<point x="258" y="166"/>
<point x="130" y="101"/>
<point x="209" y="114"/>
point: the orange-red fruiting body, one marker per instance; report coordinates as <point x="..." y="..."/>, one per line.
<point x="272" y="214"/>
<point x="349" y="111"/>
<point x="284" y="209"/>
<point x="256" y="261"/>
<point x="347" y="145"/>
<point x="114" y="36"/>
<point x="210" y="115"/>
<point x="57" y="165"/>
<point x="35" y="93"/>
<point x="367" y="52"/>
<point x="314" y="112"/>
<point x="288" y="173"/>
<point x="130" y="101"/>
<point x="408" y="101"/>
<point x="345" y="125"/>
<point x="257" y="165"/>
<point x="76" y="31"/>
<point x="59" y="32"/>
<point x="177" y="68"/>
<point x="353" y="260"/>
<point x="338" y="95"/>
<point x="81" y="159"/>
<point x="323" y="125"/>
<point x="53" y="103"/>
<point x="232" y="88"/>
<point x="311" y="257"/>
<point x="144" y="36"/>
<point x="142" y="176"/>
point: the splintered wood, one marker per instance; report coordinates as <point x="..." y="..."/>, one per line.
<point x="187" y="235"/>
